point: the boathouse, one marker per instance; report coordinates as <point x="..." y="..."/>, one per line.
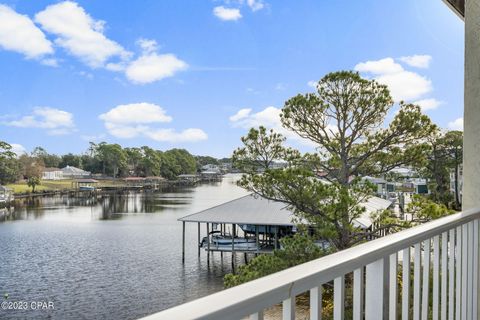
<point x="262" y="223"/>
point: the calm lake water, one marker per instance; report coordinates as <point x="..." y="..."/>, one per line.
<point x="112" y="258"/>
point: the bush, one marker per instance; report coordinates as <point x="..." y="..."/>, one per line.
<point x="295" y="250"/>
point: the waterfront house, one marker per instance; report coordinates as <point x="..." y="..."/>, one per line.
<point x="134" y="181"/>
<point x="52" y="174"/>
<point x="211" y="167"/>
<point x="211" y="175"/>
<point x="188" y="178"/>
<point x="70" y="172"/>
<point x="420" y="186"/>
<point x="383" y="186"/>
<point x="6" y="194"/>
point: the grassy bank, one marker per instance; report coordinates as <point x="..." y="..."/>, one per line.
<point x="52" y="185"/>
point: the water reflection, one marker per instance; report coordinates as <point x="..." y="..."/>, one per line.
<point x="103" y="207"/>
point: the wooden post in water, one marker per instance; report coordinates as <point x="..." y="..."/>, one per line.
<point x="233" y="246"/>
<point x="208" y="243"/>
<point x="198" y="236"/>
<point x="276" y="237"/>
<point x="183" y="242"/>
<point x="256" y="237"/>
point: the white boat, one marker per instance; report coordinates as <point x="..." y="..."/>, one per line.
<point x="221" y="240"/>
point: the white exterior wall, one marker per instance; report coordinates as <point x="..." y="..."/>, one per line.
<point x="471" y="118"/>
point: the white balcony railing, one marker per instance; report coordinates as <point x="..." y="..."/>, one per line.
<point x="444" y="283"/>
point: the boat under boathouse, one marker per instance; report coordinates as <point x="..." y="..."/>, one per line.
<point x="253" y="224"/>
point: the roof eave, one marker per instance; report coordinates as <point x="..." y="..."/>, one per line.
<point x="457" y="8"/>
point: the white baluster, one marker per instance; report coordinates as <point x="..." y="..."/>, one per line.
<point x="417" y="261"/>
<point x="426" y="279"/>
<point x="444" y="274"/>
<point x="392" y="305"/>
<point x="458" y="270"/>
<point x="470" y="272"/>
<point x="288" y="309"/>
<point x="406" y="283"/>
<point x="436" y="277"/>
<point x="374" y="290"/>
<point x="475" y="269"/>
<point x="451" y="276"/>
<point x="257" y="316"/>
<point x="358" y="294"/>
<point x="464" y="271"/>
<point x="339" y="298"/>
<point x="316" y="303"/>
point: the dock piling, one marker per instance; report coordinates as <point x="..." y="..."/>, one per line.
<point x="183" y="242"/>
<point x="198" y="236"/>
<point x="208" y="243"/>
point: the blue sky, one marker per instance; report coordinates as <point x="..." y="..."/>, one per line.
<point x="196" y="74"/>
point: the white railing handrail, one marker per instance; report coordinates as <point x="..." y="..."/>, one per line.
<point x="256" y="295"/>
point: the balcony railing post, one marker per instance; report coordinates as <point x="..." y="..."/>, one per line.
<point x="426" y="279"/>
<point x="316" y="303"/>
<point x="358" y="290"/>
<point x="458" y="271"/>
<point x="475" y="269"/>
<point x="257" y="316"/>
<point x="288" y="309"/>
<point x="374" y="284"/>
<point x="393" y="290"/>
<point x="339" y="298"/>
<point x="451" y="275"/>
<point x="405" y="283"/>
<point x="464" y="297"/>
<point x="417" y="261"/>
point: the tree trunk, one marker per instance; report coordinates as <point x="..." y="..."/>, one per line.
<point x="457" y="197"/>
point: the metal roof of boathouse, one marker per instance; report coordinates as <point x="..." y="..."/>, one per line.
<point x="252" y="209"/>
<point x="248" y="209"/>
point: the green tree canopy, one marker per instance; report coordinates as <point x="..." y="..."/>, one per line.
<point x="345" y="122"/>
<point x="9" y="166"/>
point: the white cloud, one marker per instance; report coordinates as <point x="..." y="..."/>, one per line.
<point x="147" y="45"/>
<point x="312" y="84"/>
<point x="170" y="135"/>
<point x="418" y="61"/>
<point x="268" y="117"/>
<point x="18" y="149"/>
<point x="136" y="113"/>
<point x="152" y="67"/>
<point x="280" y="86"/>
<point x="380" y="67"/>
<point x="93" y="138"/>
<point x="456" y="124"/>
<point x="137" y="120"/>
<point x="428" y="104"/>
<point x="255" y="5"/>
<point x="51" y="62"/>
<point x="404" y="85"/>
<point x="57" y="122"/>
<point x="18" y="33"/>
<point x="80" y="34"/>
<point x="227" y="14"/>
<point x="241" y="114"/>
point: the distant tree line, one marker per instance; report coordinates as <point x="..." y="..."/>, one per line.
<point x="111" y="160"/>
